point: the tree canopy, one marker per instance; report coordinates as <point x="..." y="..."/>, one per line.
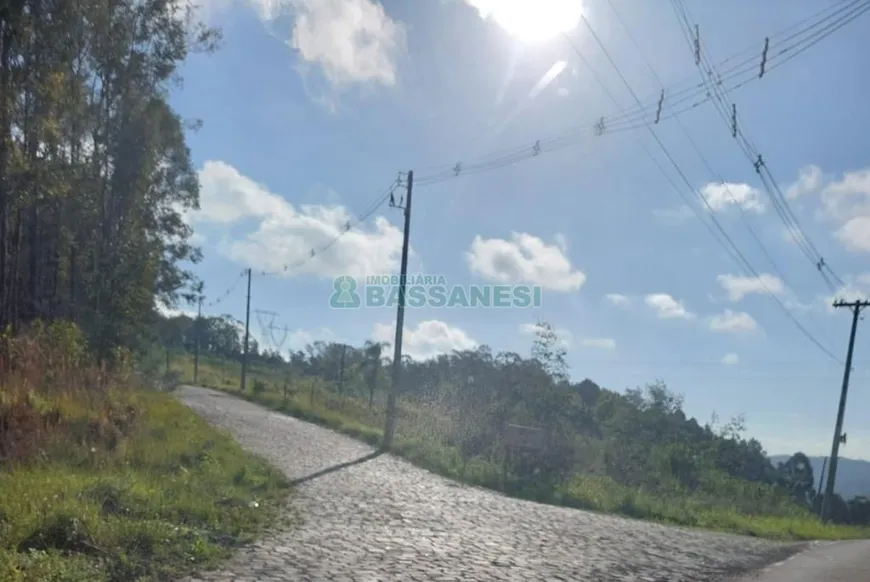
<point x="95" y="174"/>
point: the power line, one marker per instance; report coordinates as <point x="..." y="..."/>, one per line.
<point x="379" y="201"/>
<point x="720" y="102"/>
<point x="220" y="298"/>
<point x="703" y="158"/>
<point x="692" y="97"/>
<point x="740" y="258"/>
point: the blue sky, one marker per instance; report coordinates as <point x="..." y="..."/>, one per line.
<point x="311" y="107"/>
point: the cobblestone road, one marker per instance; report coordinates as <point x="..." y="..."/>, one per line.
<point x="385" y="519"/>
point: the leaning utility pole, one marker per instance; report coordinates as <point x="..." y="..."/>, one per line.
<point x="839" y="437"/>
<point x="390" y="430"/>
<point x="196" y="350"/>
<point x="247" y="327"/>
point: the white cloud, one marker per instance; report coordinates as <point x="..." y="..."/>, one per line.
<point x="430" y="338"/>
<point x="730" y="359"/>
<point x="855" y="234"/>
<point x="855" y="289"/>
<point x="667" y="307"/>
<point x="617" y="299"/>
<point x="847" y="202"/>
<point x="566" y="338"/>
<point x="738" y="286"/>
<point x="722" y="195"/>
<point x="285" y="235"/>
<point x="524" y="259"/>
<point x="733" y="322"/>
<point x="352" y="40"/>
<point x="847" y="198"/>
<point x="605" y="343"/>
<point x="173" y="312"/>
<point x="809" y="181"/>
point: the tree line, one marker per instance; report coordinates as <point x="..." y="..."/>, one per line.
<point x="639" y="438"/>
<point x="95" y="174"/>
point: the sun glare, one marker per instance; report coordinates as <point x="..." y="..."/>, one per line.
<point x="532" y="20"/>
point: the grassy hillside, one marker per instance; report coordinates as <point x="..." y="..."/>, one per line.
<point x="104" y="479"/>
<point x="429" y="434"/>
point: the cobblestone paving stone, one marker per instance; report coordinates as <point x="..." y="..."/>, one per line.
<point x="385" y="520"/>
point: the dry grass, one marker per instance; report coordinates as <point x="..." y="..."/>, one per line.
<point x="105" y="479"/>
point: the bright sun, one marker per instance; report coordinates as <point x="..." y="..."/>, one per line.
<point x="532" y="20"/>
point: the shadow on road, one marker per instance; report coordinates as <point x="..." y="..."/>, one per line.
<point x="335" y="468"/>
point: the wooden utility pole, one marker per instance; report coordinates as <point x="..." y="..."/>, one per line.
<point x="390" y="429"/>
<point x="247" y="328"/>
<point x="196" y="345"/>
<point x="839" y="436"/>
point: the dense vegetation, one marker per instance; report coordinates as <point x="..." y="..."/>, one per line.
<point x="94" y="170"/>
<point x="636" y="453"/>
<point x="103" y="477"/>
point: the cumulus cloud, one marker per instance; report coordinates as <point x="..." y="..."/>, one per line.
<point x="429" y="339"/>
<point x="666" y="307"/>
<point x="617" y="299"/>
<point x="730" y="359"/>
<point x="722" y="195"/>
<point x="524" y="259"/>
<point x="283" y="235"/>
<point x="856" y="288"/>
<point x="351" y="40"/>
<point x="846" y="202"/>
<point x="166" y="311"/>
<point x="809" y="181"/>
<point x="733" y="322"/>
<point x="737" y="287"/>
<point x="855" y="234"/>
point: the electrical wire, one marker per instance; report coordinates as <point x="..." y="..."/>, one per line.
<point x="721" y="98"/>
<point x="382" y="197"/>
<point x="226" y="293"/>
<point x="678" y="102"/>
<point x="734" y="251"/>
<point x="743" y="214"/>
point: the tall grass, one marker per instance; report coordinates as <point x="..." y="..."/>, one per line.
<point x="104" y="479"/>
<point x="425" y="436"/>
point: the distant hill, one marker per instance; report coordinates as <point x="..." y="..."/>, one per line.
<point x="853" y="475"/>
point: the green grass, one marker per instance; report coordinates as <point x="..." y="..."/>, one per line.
<point x="174" y="496"/>
<point x="104" y="482"/>
<point x="420" y="439"/>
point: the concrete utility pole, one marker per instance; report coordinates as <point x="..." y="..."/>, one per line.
<point x="390" y="430"/>
<point x="247" y="328"/>
<point x="341" y="369"/>
<point x="839" y="436"/>
<point x="198" y="334"/>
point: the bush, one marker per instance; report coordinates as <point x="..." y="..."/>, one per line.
<point x="104" y="479"/>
